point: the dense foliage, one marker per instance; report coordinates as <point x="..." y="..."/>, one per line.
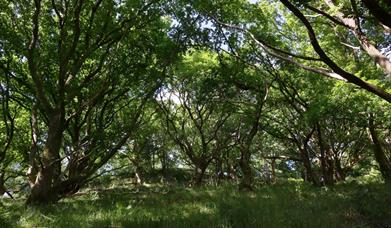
<point x="196" y="92"/>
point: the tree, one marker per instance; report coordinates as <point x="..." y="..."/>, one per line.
<point x="268" y="27"/>
<point x="7" y="125"/>
<point x="200" y="110"/>
<point x="80" y="79"/>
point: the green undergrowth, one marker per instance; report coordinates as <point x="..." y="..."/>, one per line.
<point x="282" y="205"/>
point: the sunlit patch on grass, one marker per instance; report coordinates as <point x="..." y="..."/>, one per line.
<point x="292" y="205"/>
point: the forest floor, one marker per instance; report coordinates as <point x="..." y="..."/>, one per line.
<point x="292" y="204"/>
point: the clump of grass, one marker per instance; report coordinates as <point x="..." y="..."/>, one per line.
<point x="293" y="204"/>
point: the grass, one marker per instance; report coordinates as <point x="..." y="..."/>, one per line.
<point x="292" y="204"/>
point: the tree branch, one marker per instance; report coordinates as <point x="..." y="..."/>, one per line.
<point x="31" y="58"/>
<point x="348" y="76"/>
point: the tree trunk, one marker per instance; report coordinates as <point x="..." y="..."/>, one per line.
<point x="219" y="168"/>
<point x="246" y="183"/>
<point x="43" y="191"/>
<point x="309" y="172"/>
<point x="163" y="160"/>
<point x="273" y="164"/>
<point x="231" y="171"/>
<point x="326" y="163"/>
<point x="199" y="175"/>
<point x="137" y="179"/>
<point x="245" y="158"/>
<point x="380" y="155"/>
<point x="33" y="166"/>
<point x="2" y="187"/>
<point x="327" y="168"/>
<point x="340" y="173"/>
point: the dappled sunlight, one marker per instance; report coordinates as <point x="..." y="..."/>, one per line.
<point x="271" y="206"/>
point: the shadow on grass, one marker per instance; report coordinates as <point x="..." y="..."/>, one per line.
<point x="292" y="205"/>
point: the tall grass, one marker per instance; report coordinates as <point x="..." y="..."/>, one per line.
<point x="293" y="204"/>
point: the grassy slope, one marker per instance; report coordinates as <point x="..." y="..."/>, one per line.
<point x="288" y="205"/>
